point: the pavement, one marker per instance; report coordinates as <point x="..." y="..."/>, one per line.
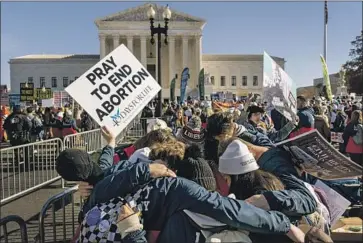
<point x="29" y="206"/>
<point x="22" y="169"/>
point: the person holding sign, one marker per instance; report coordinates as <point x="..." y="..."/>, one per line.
<point x="164" y="196"/>
<point x="115" y="90"/>
<point x="254" y="118"/>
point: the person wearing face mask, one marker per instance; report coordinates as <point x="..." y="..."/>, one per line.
<point x="254" y="119"/>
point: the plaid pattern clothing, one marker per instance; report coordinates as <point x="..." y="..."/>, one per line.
<point x="99" y="224"/>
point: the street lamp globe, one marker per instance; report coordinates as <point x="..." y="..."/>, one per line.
<point x="26" y="85"/>
<point x="151" y="12"/>
<point x="167" y="13"/>
<point x="43" y="89"/>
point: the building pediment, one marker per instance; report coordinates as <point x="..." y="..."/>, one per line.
<point x="139" y="14"/>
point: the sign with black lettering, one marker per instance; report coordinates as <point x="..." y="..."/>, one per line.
<point x="279" y="90"/>
<point x="26" y="92"/>
<point x="43" y="94"/>
<point x="115" y="90"/>
<point x="319" y="158"/>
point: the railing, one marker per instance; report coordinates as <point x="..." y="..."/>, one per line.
<point x="89" y="141"/>
<point x="139" y="127"/>
<point x="60" y="206"/>
<point x="28" y="167"/>
<point x="23" y="230"/>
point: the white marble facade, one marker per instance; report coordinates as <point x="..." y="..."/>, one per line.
<point x="132" y="28"/>
<point x="230" y="73"/>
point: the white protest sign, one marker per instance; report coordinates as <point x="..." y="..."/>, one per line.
<point x="115" y="90"/>
<point x="337" y="203"/>
<point x="48" y="102"/>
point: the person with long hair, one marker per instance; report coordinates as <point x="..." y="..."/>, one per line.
<point x="178" y="120"/>
<point x="353" y="137"/>
<point x="48" y="120"/>
<point x="281" y="192"/>
<point x="321" y="123"/>
<point x="162" y="198"/>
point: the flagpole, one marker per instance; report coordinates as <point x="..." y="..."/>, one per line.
<point x="325" y="29"/>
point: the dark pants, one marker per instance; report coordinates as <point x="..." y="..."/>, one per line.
<point x="357" y="158"/>
<point x="22" y="155"/>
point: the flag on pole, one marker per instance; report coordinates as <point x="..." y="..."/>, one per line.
<point x="326" y="79"/>
<point x="326" y="12"/>
<point x="184" y="83"/>
<point x="172" y="90"/>
<point x="201" y="84"/>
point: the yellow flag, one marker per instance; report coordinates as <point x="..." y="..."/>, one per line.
<point x="326" y="78"/>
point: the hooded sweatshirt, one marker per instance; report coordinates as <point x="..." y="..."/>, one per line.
<point x="162" y="197"/>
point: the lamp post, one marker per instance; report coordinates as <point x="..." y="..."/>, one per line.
<point x="159" y="31"/>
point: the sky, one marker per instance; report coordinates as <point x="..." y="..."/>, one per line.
<point x="292" y="30"/>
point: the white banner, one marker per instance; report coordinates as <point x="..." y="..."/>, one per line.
<point x="48" y="103"/>
<point x="279" y="90"/>
<point x="115" y="90"/>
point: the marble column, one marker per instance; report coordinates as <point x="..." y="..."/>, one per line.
<point x="102" y="38"/>
<point x="130" y="43"/>
<point x="185" y="52"/>
<point x="198" y="57"/>
<point x="171" y="44"/>
<point x="143" y="51"/>
<point x="116" y="41"/>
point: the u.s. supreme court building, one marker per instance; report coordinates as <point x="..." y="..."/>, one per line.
<point x="238" y="74"/>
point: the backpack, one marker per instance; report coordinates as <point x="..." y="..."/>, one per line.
<point x="36" y="127"/>
<point x="212" y="230"/>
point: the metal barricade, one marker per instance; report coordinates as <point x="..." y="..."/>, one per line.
<point x="88" y="141"/>
<point x="138" y="128"/>
<point x="28" y="167"/>
<point x="61" y="222"/>
<point x="14" y="235"/>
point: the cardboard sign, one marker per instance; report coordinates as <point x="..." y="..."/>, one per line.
<point x="40" y="94"/>
<point x="48" y="103"/>
<point x="337" y="204"/>
<point x="115" y="90"/>
<point x="319" y="158"/>
<point x="14" y="99"/>
<point x="337" y="137"/>
<point x="26" y="92"/>
<point x="279" y="90"/>
<point x="61" y="98"/>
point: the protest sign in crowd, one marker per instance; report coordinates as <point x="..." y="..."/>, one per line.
<point x="206" y="171"/>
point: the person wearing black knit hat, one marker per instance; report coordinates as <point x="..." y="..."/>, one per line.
<point x="77" y="165"/>
<point x="199" y="171"/>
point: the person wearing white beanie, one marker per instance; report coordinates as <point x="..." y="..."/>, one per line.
<point x="140" y="155"/>
<point x="240" y="107"/>
<point x="248" y="182"/>
<point x="156" y="124"/>
<point x="237" y="160"/>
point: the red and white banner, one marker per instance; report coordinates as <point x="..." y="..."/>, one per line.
<point x="61" y="98"/>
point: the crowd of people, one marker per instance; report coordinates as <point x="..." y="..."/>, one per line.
<point x="205" y="173"/>
<point x="31" y="124"/>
